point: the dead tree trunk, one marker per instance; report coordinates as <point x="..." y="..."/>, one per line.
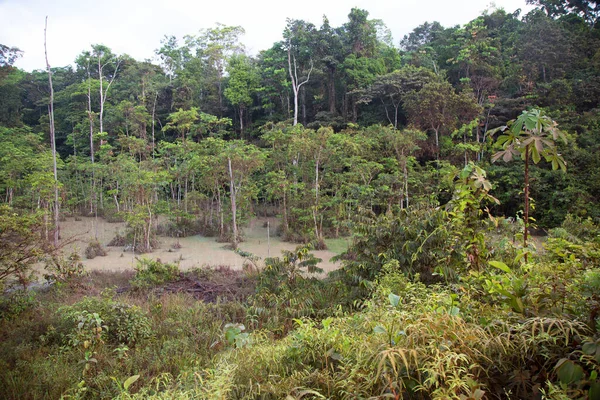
<point x="296" y="85"/>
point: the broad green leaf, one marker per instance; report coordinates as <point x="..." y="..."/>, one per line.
<point x="501" y="266"/>
<point x="130" y="381"/>
<point x="517" y="305"/>
<point x="589" y="348"/>
<point x="379" y="329"/>
<point x="394" y="299"/>
<point x="568" y="372"/>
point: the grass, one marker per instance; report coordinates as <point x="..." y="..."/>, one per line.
<point x="298" y="337"/>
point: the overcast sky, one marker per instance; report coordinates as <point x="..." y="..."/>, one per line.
<point x="136" y="27"/>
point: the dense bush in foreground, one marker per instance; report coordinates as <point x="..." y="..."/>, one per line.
<point x="520" y="332"/>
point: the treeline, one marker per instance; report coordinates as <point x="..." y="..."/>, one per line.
<point x="327" y="121"/>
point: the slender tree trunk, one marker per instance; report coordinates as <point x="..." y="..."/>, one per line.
<point x="91" y="120"/>
<point x="285" y="215"/>
<point x="101" y="96"/>
<point x="316" y="207"/>
<point x="154" y="120"/>
<point x="294" y="78"/>
<point x="148" y="229"/>
<point x="526" y="211"/>
<point x="52" y="142"/>
<point x="405" y="172"/>
<point x="241" y="122"/>
<point x="331" y="90"/>
<point x="232" y="190"/>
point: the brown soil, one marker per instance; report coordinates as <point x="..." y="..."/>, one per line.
<point x="193" y="252"/>
<point x="208" y="285"/>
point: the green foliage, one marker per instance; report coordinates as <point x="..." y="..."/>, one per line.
<point x="64" y="269"/>
<point x="149" y="273"/>
<point x="102" y="319"/>
<point x="492" y="326"/>
<point x="13" y="304"/>
<point x="417" y="238"/>
<point x="21" y="243"/>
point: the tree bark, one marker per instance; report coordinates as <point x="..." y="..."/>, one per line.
<point x="295" y="84"/>
<point x="526" y="211"/>
<point x="232" y="189"/>
<point x="52" y="142"/>
<point x="331" y="90"/>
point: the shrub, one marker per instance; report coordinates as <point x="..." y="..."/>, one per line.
<point x="16" y="302"/>
<point x="120" y="322"/>
<point x="94" y="249"/>
<point x="419" y="239"/>
<point x="151" y="273"/>
<point x="584" y="229"/>
<point x="60" y="269"/>
<point x="118" y="241"/>
<point x="22" y="242"/>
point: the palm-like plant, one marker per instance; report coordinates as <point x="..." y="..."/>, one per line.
<point x="531" y="136"/>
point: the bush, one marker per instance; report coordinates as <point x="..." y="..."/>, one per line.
<point x="94" y="249"/>
<point x="22" y="243"/>
<point x="583" y="229"/>
<point x="118" y="241"/>
<point x="151" y="273"/>
<point x="119" y="322"/>
<point x="420" y="239"/>
<point x="16" y="302"/>
<point x="60" y="269"/>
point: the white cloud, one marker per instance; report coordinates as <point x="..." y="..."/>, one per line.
<point x="136" y="27"/>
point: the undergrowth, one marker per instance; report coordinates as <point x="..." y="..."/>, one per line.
<point x="518" y="331"/>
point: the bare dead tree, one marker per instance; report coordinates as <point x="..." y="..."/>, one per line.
<point x="296" y="85"/>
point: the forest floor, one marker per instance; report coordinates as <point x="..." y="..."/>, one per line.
<point x="191" y="252"/>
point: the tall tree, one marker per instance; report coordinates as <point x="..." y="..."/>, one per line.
<point x="437" y="107"/>
<point x="52" y="141"/>
<point x="299" y="36"/>
<point x="104" y="57"/>
<point x="242" y="84"/>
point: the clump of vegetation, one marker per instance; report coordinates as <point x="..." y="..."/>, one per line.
<point x="149" y="273"/>
<point x="63" y="269"/>
<point x="94" y="249"/>
<point x="99" y="319"/>
<point x="22" y="243"/>
<point x="118" y="241"/>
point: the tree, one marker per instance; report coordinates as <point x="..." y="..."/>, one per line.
<point x="589" y="10"/>
<point x="531" y="136"/>
<point x="392" y="89"/>
<point x="206" y="67"/>
<point x="104" y="57"/>
<point x="243" y="83"/>
<point x="182" y="121"/>
<point x="242" y="160"/>
<point x="52" y="142"/>
<point x="298" y="35"/>
<point x="439" y="108"/>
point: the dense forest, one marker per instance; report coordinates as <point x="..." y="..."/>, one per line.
<point x="463" y="162"/>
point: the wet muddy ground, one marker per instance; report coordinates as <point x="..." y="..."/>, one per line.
<point x="191" y="252"/>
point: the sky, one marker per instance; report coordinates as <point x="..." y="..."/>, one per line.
<point x="136" y="27"/>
